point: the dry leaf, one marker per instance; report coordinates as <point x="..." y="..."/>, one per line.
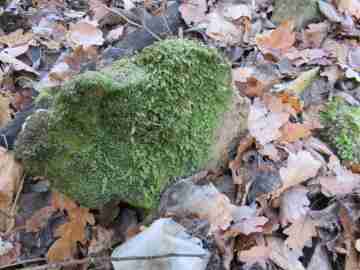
<point x="85" y="33"/>
<point x="71" y="232"/>
<point x="256" y="254"/>
<point x="219" y="29"/>
<point x="300" y="167"/>
<point x="351" y="7"/>
<point x="115" y="34"/>
<point x="315" y="34"/>
<point x="16" y="64"/>
<point x="39" y="219"/>
<point x="264" y="125"/>
<point x="300" y="233"/>
<point x="342" y="182"/>
<point x="10" y="176"/>
<point x="4" y="110"/>
<point x="294" y="205"/>
<point x="16" y="51"/>
<point x="236" y="12"/>
<point x="303" y="81"/>
<point x="98" y="9"/>
<point x="269" y="150"/>
<point x="193" y="11"/>
<point x="292" y="132"/>
<point x="278" y="41"/>
<point x="101" y="240"/>
<point x="282" y="256"/>
<point x="16" y="38"/>
<point x="246" y="221"/>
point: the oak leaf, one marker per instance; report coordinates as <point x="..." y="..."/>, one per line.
<point x="71" y="232"/>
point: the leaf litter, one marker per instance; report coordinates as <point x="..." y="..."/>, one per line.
<point x="314" y="205"/>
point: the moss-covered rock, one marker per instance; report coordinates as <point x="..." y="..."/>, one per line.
<point x="342" y="129"/>
<point x="301" y="11"/>
<point x="124" y="131"/>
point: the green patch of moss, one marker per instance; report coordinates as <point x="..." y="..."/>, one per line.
<point x="124" y="131"/>
<point x="342" y="129"/>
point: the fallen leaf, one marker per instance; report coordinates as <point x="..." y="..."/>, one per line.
<point x="315" y="33"/>
<point x="282" y="256"/>
<point x="16" y="64"/>
<point x="263" y="124"/>
<point x="320" y="259"/>
<point x="303" y="81"/>
<point x="39" y="219"/>
<point x="256" y="254"/>
<point x="342" y="182"/>
<point x="300" y="167"/>
<point x="115" y="34"/>
<point x="10" y="176"/>
<point x="85" y="33"/>
<point x="71" y="232"/>
<point x="278" y="41"/>
<point x="329" y="11"/>
<point x="16" y="51"/>
<point x="219" y="29"/>
<point x="101" y="240"/>
<point x="193" y="11"/>
<point x="294" y="205"/>
<point x="236" y="12"/>
<point x="9" y="251"/>
<point x="246" y="221"/>
<point x="292" y="132"/>
<point x="351" y="7"/>
<point x="16" y="38"/>
<point x="269" y="150"/>
<point x="4" y="110"/>
<point x="99" y="10"/>
<point x="300" y="233"/>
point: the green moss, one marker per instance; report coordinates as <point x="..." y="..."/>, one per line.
<point x="342" y="129"/>
<point x="124" y="131"/>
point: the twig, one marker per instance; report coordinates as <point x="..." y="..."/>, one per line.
<point x="94" y="260"/>
<point x="133" y="23"/>
<point x="22" y="262"/>
<point x="13" y="207"/>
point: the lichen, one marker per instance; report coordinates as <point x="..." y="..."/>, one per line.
<point x="342" y="129"/>
<point x="125" y="131"/>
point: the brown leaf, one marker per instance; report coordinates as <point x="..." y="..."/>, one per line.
<point x="101" y="240"/>
<point x="278" y="41"/>
<point x="99" y="10"/>
<point x="71" y="232"/>
<point x="5" y="115"/>
<point x="292" y="132"/>
<point x="10" y="176"/>
<point x="16" y="64"/>
<point x="300" y="233"/>
<point x="85" y="33"/>
<point x="315" y="34"/>
<point x="16" y="38"/>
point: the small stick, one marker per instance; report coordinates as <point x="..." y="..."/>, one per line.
<point x="107" y="259"/>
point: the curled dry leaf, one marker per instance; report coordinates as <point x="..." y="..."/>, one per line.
<point x="294" y="205"/>
<point x="300" y="167"/>
<point x="315" y="34"/>
<point x="278" y="41"/>
<point x="264" y="125"/>
<point x="85" y="33"/>
<point x="300" y="233"/>
<point x="193" y="11"/>
<point x="10" y="176"/>
<point x="257" y="254"/>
